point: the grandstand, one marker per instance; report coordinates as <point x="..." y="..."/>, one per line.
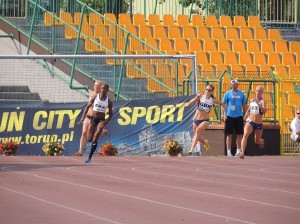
<point x="254" y="47"/>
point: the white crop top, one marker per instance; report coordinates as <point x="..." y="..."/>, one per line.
<point x="205" y="104"/>
<point x="99" y="105"/>
<point x="254" y="108"/>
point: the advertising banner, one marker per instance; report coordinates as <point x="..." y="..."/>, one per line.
<point x="138" y="127"/>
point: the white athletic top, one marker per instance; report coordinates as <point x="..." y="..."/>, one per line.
<point x="295" y="127"/>
<point x="99" y="105"/>
<point x="254" y="108"/>
<point x="205" y="104"/>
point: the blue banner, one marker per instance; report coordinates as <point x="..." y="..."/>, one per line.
<point x="138" y="127"/>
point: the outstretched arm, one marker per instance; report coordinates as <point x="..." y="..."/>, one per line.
<point x="195" y="99"/>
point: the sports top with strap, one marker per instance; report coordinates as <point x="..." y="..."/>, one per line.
<point x="205" y="104"/>
<point x="254" y="108"/>
<point x="99" y="105"/>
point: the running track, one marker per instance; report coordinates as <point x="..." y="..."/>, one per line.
<point x="142" y="190"/>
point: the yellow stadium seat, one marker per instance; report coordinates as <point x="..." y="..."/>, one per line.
<point x="86" y="30"/>
<point x="245" y="58"/>
<point x="154" y="20"/>
<point x="253" y="46"/>
<point x="232" y="34"/>
<point x="110" y="19"/>
<point x="107" y="44"/>
<point x="152" y="42"/>
<point x="260" y="34"/>
<point x="162" y="70"/>
<point x="137" y="46"/>
<point x="188" y="32"/>
<point x="180" y="45"/>
<point x="145" y="32"/>
<point x="197" y="20"/>
<point x="230" y="58"/>
<point x="238" y="46"/>
<point x="274" y="59"/>
<point x="165" y="46"/>
<point x="131" y="30"/>
<point x="239" y="22"/>
<point x="294" y="71"/>
<point x="203" y="33"/>
<point x="267" y="46"/>
<point x="211" y="21"/>
<point x="281" y="70"/>
<point x="209" y="45"/>
<point x="246" y="34"/>
<point x="237" y="68"/>
<point x="259" y="59"/>
<point x="77" y="18"/>
<point x="48" y="20"/>
<point x="124" y="19"/>
<point x="274" y="34"/>
<point x="174" y="32"/>
<point x="288" y="59"/>
<point x="295" y="47"/>
<point x="202" y="58"/>
<point x="251" y="68"/>
<point x="281" y="46"/>
<point x="95" y="19"/>
<point x="195" y="45"/>
<point x="225" y="21"/>
<point x="223" y="45"/>
<point x="159" y="32"/>
<point x="182" y="20"/>
<point x="132" y="72"/>
<point x="217" y="33"/>
<point x="139" y="20"/>
<point x="216" y="58"/>
<point x="298" y="59"/>
<point x="265" y="68"/>
<point x="168" y="20"/>
<point x="254" y="22"/>
<point x="70" y="32"/>
<point x="221" y="68"/>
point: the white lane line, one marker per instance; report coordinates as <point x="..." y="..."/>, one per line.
<point x="123" y="195"/>
<point x="187" y="189"/>
<point x="60" y="205"/>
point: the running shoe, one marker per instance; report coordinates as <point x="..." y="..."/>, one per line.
<point x="88" y="160"/>
<point x="238" y="153"/>
<point x="206" y="146"/>
<point x="191" y="151"/>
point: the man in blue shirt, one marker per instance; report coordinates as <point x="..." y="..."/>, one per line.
<point x="235" y="101"/>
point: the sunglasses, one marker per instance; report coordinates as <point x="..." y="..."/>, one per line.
<point x="209" y="90"/>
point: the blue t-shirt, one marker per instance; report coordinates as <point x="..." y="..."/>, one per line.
<point x="234" y="100"/>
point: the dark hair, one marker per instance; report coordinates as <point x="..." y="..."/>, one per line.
<point x="213" y="88"/>
<point x="106" y="86"/>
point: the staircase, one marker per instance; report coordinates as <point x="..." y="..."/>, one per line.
<point x="17" y="94"/>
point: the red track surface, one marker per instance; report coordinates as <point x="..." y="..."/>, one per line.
<point x="145" y="190"/>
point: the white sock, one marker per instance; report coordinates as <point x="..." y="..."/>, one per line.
<point x="228" y="151"/>
<point x="238" y="150"/>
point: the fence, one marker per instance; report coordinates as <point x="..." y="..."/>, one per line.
<point x="155" y="79"/>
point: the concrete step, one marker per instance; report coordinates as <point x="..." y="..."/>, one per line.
<point x="9" y="89"/>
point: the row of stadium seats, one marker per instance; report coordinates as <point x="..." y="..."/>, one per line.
<point x="154" y="20"/>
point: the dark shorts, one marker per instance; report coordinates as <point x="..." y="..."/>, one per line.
<point x="234" y="124"/>
<point x="255" y="125"/>
<point x="96" y="120"/>
<point x="198" y="122"/>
